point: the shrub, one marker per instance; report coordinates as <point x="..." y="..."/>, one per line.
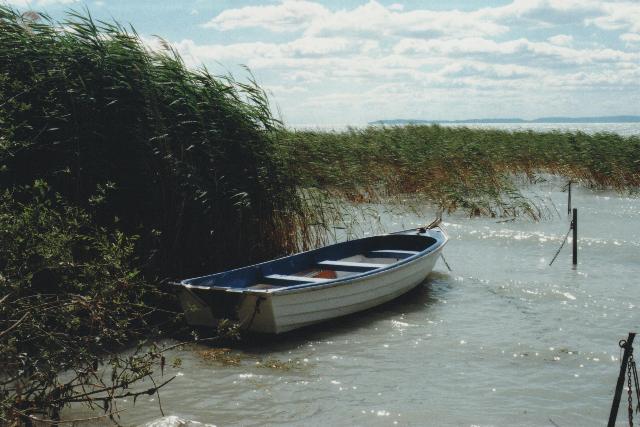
<point x="70" y="298"/>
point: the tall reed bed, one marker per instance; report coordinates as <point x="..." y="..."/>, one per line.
<point x="456" y="167"/>
<point x="177" y="156"/>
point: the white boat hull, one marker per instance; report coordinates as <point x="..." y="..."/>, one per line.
<point x="292" y="310"/>
<point x="286" y="308"/>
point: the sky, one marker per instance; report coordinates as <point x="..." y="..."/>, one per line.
<point x="355" y="61"/>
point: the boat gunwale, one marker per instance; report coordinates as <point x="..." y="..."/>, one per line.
<point x="440" y="241"/>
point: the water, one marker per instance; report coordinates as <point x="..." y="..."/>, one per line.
<point x="625" y="129"/>
<point x="502" y="340"/>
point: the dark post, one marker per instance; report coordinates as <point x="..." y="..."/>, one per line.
<point x="569" y="198"/>
<point x="574" y="226"/>
<point x="628" y="347"/>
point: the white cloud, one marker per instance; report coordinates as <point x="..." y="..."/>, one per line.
<point x="631" y="39"/>
<point x="261" y="55"/>
<point x="289" y="15"/>
<point x="357" y="58"/>
<point x="317" y="46"/>
<point x="538" y="8"/>
<point x="618" y="16"/>
<point x="514" y="50"/>
<point x="285" y="90"/>
<point x="372" y="17"/>
<point x="561" y="40"/>
<point x="498" y="71"/>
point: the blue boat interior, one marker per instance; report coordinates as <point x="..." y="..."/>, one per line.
<point x="330" y="263"/>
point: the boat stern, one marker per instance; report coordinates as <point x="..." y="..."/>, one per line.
<point x="206" y="307"/>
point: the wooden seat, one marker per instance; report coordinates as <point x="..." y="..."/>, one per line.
<point x="347" y="265"/>
<point x="302" y="279"/>
<point x="392" y="253"/>
<point x="264" y="286"/>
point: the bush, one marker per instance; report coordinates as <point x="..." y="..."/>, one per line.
<point x="70" y="295"/>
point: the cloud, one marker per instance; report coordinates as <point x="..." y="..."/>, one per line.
<point x="262" y="54"/>
<point x="285" y="90"/>
<point x="618" y="16"/>
<point x="561" y="40"/>
<point x="358" y="58"/>
<point x="495" y="71"/>
<point x="631" y="39"/>
<point x="513" y="50"/>
<point x="372" y="18"/>
<point x="548" y="12"/>
<point x="289" y="15"/>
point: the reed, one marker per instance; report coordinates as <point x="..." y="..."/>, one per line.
<point x="179" y="157"/>
<point x="456" y="167"/>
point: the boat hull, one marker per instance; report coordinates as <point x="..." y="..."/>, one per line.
<point x="283" y="311"/>
<point x="298" y="309"/>
<point x="285" y="294"/>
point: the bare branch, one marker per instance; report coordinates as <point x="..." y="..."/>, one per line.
<point x="76" y="420"/>
<point x="6" y="331"/>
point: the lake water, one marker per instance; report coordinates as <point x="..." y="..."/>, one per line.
<point x="502" y="340"/>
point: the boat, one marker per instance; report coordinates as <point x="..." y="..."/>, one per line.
<point x="310" y="287"/>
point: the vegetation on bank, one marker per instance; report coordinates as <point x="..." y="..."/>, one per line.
<point x="120" y="168"/>
<point x="71" y="297"/>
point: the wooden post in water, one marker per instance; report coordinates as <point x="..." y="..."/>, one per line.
<point x="569" y="198"/>
<point x="574" y="226"/>
<point x="628" y="347"/>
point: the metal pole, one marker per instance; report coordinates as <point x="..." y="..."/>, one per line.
<point x="574" y="226"/>
<point x="628" y="347"/>
<point x="569" y="199"/>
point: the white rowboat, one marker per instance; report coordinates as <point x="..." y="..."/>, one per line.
<point x="310" y="287"/>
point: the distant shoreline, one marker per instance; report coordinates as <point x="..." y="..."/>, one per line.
<point x="597" y="119"/>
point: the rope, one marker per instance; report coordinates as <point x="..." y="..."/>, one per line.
<point x="445" y="262"/>
<point x="562" y="245"/>
<point x="435" y="223"/>
<point x="256" y="309"/>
